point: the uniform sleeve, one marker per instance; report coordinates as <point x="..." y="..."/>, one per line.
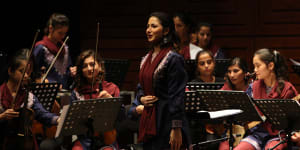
<point x="139" y="93"/>
<point x="177" y="79"/>
<point x="42" y="115"/>
<point x="38" y="54"/>
<point x="132" y="114"/>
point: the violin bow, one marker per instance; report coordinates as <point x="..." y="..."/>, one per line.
<point x="96" y="53"/>
<point x="54" y="60"/>
<point x="26" y="66"/>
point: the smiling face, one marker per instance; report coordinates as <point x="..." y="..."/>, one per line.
<point x="154" y="30"/>
<point x="205" y="64"/>
<point x="236" y="75"/>
<point x="261" y="69"/>
<point x="87" y="68"/>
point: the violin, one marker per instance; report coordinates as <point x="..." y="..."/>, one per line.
<point x="19" y="130"/>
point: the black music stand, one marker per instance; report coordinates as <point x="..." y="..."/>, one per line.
<point x="91" y="115"/>
<point x="46" y="93"/>
<point x="115" y="70"/>
<point x="221" y="67"/>
<point x="283" y="114"/>
<point x="216" y="100"/>
<point x="190" y="67"/>
<point x="195" y="86"/>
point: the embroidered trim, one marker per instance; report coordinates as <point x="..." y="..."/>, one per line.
<point x="60" y="65"/>
<point x="143" y="60"/>
<point x="78" y="96"/>
<point x="30" y="100"/>
<point x="161" y="64"/>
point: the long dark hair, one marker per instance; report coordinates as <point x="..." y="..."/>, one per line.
<point x="280" y="66"/>
<point x="167" y="22"/>
<point x="80" y="80"/>
<point x="188" y="22"/>
<point x="57" y="20"/>
<point x="242" y="65"/>
<point x="14" y="61"/>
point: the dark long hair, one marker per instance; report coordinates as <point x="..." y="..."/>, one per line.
<point x="242" y="65"/>
<point x="14" y="61"/>
<point x="80" y="80"/>
<point x="167" y="22"/>
<point x="280" y="66"/>
<point x="57" y="20"/>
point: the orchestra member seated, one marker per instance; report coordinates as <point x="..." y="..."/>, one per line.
<point x="101" y="89"/>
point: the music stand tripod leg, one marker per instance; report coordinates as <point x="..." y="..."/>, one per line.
<point x="230" y="126"/>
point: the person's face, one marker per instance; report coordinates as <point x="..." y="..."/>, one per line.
<point x="204" y="36"/>
<point x="206" y="64"/>
<point x="16" y="75"/>
<point x="58" y="33"/>
<point x="236" y="75"/>
<point x="154" y="30"/>
<point x="87" y="68"/>
<point x="180" y="28"/>
<point x="193" y="38"/>
<point x="262" y="70"/>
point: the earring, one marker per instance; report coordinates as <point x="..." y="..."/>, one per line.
<point x="165" y="40"/>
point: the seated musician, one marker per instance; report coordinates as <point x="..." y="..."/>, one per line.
<point x="13" y="100"/>
<point x="271" y="83"/>
<point x="205" y="68"/>
<point x="237" y="79"/>
<point x="101" y="89"/>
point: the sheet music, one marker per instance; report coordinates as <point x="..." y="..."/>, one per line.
<point x="222" y="113"/>
<point x="63" y="115"/>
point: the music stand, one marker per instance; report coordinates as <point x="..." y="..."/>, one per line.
<point x="190" y="67"/>
<point x="115" y="70"/>
<point x="216" y="100"/>
<point x="46" y="93"/>
<point x="221" y="67"/>
<point x="282" y="114"/>
<point x="88" y="115"/>
<point x="195" y="86"/>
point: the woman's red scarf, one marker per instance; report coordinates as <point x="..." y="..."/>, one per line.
<point x="185" y="52"/>
<point x="7" y="99"/>
<point x="147" y="128"/>
<point x="259" y="92"/>
<point x="88" y="93"/>
<point x="52" y="47"/>
<point x="226" y="87"/>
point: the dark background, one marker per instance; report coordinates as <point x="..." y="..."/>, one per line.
<point x="240" y="27"/>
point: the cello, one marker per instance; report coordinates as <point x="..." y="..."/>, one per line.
<point x="18" y="133"/>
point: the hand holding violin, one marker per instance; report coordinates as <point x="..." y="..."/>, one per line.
<point x="9" y="114"/>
